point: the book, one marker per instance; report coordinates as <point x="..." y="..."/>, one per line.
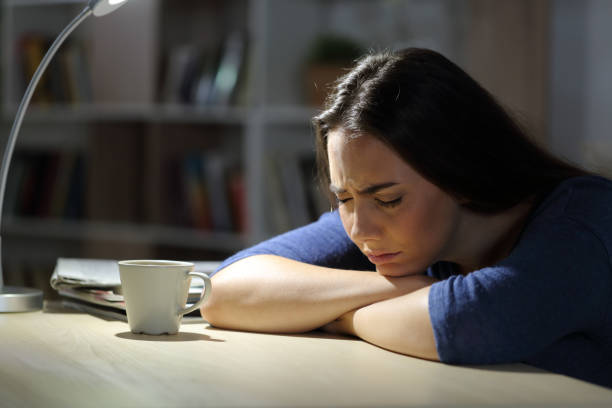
<point x="295" y="198"/>
<point x="67" y="79"/>
<point x="237" y="193"/>
<point x="76" y="74"/>
<point x="46" y="185"/>
<point x="203" y="82"/>
<point x="75" y="198"/>
<point x="32" y="48"/>
<point x="294" y="189"/>
<point x="277" y="205"/>
<point x="176" y="63"/>
<point x="50" y="164"/>
<point x="59" y="194"/>
<point x="215" y="167"/>
<point x="192" y="71"/>
<point x="229" y="69"/>
<point x="205" y="75"/>
<point x="31" y="183"/>
<point x="196" y="194"/>
<point x="318" y="201"/>
<point x="13" y="186"/>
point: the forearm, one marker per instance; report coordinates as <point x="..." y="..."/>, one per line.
<point x="400" y="324"/>
<point x="273" y="294"/>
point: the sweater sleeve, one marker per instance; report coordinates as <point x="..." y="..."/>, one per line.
<point x="551" y="286"/>
<point x="323" y="242"/>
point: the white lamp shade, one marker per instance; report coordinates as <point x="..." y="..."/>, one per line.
<point x="103" y="7"/>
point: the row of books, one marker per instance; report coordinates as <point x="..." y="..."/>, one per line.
<point x="67" y="80"/>
<point x="196" y="75"/>
<point x="191" y="74"/>
<point x="205" y="190"/>
<point x="295" y="197"/>
<point x="211" y="191"/>
<point x="48" y="185"/>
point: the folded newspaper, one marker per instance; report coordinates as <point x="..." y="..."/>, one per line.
<point x="96" y="282"/>
<point x="102" y="273"/>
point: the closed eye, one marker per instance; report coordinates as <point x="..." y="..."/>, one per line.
<point x="389" y="204"/>
<point x="342" y="200"/>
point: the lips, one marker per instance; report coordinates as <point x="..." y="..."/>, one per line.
<point x="381" y="258"/>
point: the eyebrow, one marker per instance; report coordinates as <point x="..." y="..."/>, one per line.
<point x="366" y="191"/>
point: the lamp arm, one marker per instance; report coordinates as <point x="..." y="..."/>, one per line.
<point x="25" y="101"/>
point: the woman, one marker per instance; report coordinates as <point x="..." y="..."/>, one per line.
<point x="482" y="247"/>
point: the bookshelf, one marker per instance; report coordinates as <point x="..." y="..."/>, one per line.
<point x="151" y="120"/>
<point x="98" y="170"/>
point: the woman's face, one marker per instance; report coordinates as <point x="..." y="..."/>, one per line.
<point x="398" y="219"/>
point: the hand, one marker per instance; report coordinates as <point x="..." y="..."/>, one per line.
<point x="342" y="325"/>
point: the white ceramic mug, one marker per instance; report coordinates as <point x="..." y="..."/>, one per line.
<point x="155" y="294"/>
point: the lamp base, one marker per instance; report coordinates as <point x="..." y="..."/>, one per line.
<point x="18" y="299"/>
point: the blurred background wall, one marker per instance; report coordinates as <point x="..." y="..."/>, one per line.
<point x="181" y="129"/>
<point x="580" y="85"/>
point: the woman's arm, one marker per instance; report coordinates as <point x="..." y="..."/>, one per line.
<point x="400" y="324"/>
<point x="269" y="293"/>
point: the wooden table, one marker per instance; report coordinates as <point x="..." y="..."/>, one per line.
<point x="56" y="358"/>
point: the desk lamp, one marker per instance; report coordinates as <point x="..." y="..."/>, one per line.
<point x="13" y="298"/>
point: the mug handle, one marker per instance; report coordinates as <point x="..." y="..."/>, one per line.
<point x="203" y="296"/>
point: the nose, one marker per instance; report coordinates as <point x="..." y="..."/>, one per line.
<point x="365" y="226"/>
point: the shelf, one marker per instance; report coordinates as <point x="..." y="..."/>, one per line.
<point x="152" y="139"/>
<point x="131" y="113"/>
<point x="289" y="114"/>
<point x="20" y="3"/>
<point x="123" y="232"/>
<point x="275" y="115"/>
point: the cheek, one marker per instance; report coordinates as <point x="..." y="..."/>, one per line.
<point x="347" y="222"/>
<point x="426" y="229"/>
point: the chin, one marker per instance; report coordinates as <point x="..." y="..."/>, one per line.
<point x="398" y="270"/>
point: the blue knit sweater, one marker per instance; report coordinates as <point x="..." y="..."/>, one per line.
<point x="548" y="304"/>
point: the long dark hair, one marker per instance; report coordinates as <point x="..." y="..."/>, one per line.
<point x="444" y="125"/>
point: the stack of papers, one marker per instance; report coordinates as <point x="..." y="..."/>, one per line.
<point x="94" y="286"/>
